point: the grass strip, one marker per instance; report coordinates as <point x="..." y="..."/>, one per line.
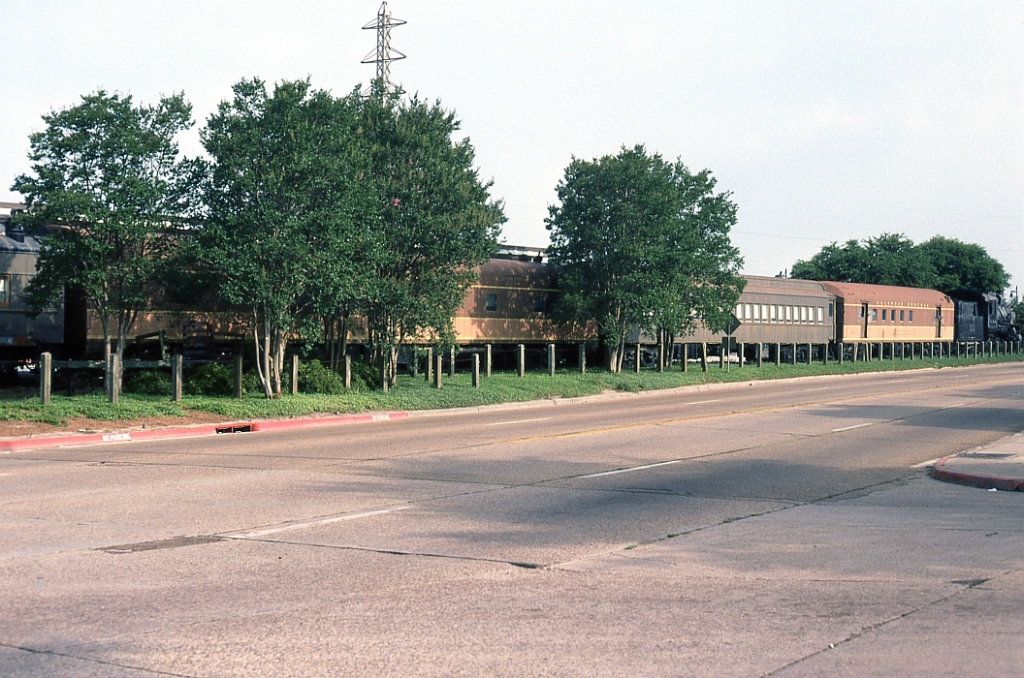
<point x="417" y="394"/>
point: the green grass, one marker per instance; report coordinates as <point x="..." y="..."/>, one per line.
<point x="417" y="394"/>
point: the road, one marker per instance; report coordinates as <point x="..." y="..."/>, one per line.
<point x="767" y="529"/>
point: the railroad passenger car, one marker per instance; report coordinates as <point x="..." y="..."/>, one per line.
<point x="511" y="303"/>
<point x="886" y="314"/>
<point x="779" y="311"/>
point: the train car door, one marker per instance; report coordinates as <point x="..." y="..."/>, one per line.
<point x="863" y="321"/>
<point x="938" y="322"/>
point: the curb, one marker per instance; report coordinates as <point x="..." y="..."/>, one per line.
<point x="7" y="446"/>
<point x="940" y="472"/>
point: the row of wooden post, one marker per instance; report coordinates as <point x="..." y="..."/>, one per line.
<point x="435" y="362"/>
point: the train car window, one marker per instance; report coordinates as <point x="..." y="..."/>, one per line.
<point x="757" y="312"/>
<point x="774" y="308"/>
<point x="910" y="315"/>
<point x="538" y="304"/>
<point x="831" y="310"/>
<point x="803" y="314"/>
<point x="901" y="315"/>
<point x="5" y="290"/>
<point x="747" y="315"/>
<point x="739" y="311"/>
<point x="883" y="314"/>
<point x="492" y="303"/>
<point x="821" y="315"/>
<point x="874" y="315"/>
<point x="789" y="313"/>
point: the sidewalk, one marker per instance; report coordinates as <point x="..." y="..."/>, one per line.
<point x="999" y="467"/>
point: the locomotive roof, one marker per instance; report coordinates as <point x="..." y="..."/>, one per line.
<point x="886" y="294"/>
<point x="9" y="244"/>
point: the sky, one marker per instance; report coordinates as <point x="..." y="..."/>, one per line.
<point x="827" y="121"/>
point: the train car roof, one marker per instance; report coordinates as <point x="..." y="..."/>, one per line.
<point x="886" y="294"/>
<point x="516" y="270"/>
<point x="757" y="284"/>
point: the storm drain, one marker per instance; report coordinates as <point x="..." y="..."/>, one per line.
<point x="241" y="428"/>
<point x="172" y="543"/>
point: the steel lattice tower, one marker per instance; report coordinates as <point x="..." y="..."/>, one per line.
<point x="384" y="54"/>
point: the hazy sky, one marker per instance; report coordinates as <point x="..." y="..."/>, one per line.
<point x="827" y="120"/>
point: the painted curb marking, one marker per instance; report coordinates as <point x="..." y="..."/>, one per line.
<point x="940" y="472"/>
<point x="8" y="446"/>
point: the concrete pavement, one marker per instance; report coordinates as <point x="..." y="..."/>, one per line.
<point x="996" y="467"/>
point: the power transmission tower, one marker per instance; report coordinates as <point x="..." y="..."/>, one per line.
<point x="384" y="54"/>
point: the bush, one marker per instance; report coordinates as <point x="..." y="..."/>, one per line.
<point x="210" y="379"/>
<point x="365" y="377"/>
<point x="315" y="377"/>
<point x="147" y="382"/>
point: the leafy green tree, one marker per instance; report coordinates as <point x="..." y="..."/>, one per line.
<point x="890" y="259"/>
<point x="434" y="220"/>
<point x="959" y="265"/>
<point x="641" y="242"/>
<point x="282" y="226"/>
<point x="107" y="173"/>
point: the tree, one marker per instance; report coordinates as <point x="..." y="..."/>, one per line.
<point x="891" y="259"/>
<point x="435" y="222"/>
<point x="640" y="242"/>
<point x="280" y="233"/>
<point x="107" y="173"/>
<point x="959" y="265"/>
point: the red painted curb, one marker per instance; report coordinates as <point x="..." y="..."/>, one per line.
<point x="940" y="472"/>
<point x="193" y="431"/>
<point x="287" y="424"/>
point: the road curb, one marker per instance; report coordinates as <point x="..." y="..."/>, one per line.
<point x="940" y="472"/>
<point x="7" y="446"/>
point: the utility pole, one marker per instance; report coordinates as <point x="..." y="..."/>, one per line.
<point x="384" y="54"/>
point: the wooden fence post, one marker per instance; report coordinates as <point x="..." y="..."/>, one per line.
<point x="521" y="360"/>
<point x="295" y="374"/>
<point x="238" y="376"/>
<point x="439" y="370"/>
<point x="45" y="377"/>
<point x="476" y="370"/>
<point x="113" y="388"/>
<point x="488" y="362"/>
<point x="348" y="371"/>
<point x="583" y="358"/>
<point x="430" y="365"/>
<point x="176" y="377"/>
<point x="551" y="360"/>
<point x="451" y="365"/>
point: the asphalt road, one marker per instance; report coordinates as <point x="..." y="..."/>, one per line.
<point x="771" y="529"/>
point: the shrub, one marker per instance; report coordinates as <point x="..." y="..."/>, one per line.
<point x="365" y="377"/>
<point x="147" y="382"/>
<point x="315" y="377"/>
<point x="210" y="379"/>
